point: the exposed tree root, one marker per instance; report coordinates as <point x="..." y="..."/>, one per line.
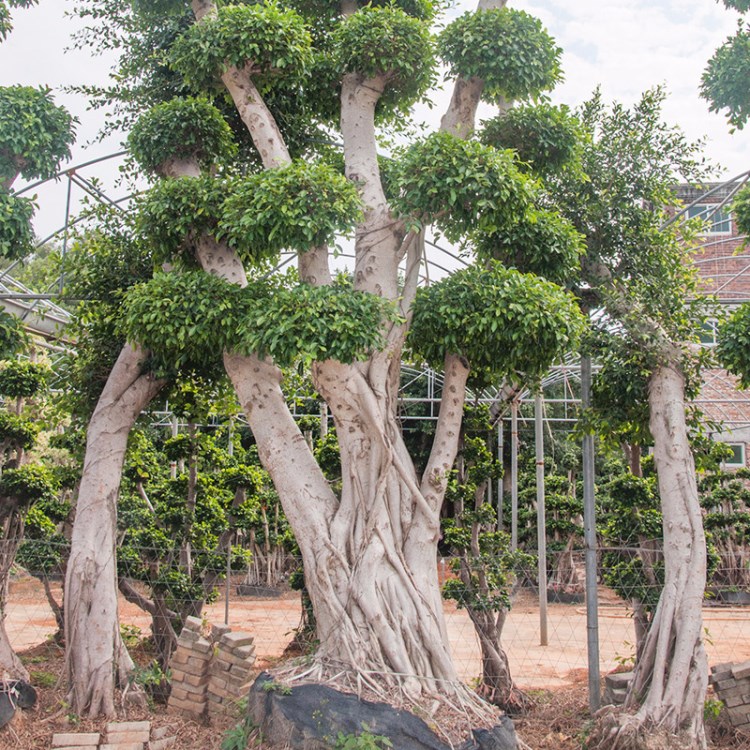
<point x="618" y="730"/>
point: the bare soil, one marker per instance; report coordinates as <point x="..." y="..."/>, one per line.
<point x="555" y="675"/>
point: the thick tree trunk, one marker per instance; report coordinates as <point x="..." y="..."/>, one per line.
<point x="672" y="672"/>
<point x="96" y="656"/>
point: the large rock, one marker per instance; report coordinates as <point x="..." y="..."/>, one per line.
<point x="311" y="717"/>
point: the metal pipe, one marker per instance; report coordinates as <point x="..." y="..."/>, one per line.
<point x="541" y="523"/>
<point x="514" y="475"/>
<point x="500" y="478"/>
<point x="589" y="535"/>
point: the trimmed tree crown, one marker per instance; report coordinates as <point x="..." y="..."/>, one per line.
<point x="272" y="41"/>
<point x="35" y="133"/>
<point x="506" y="324"/>
<point x="190" y="128"/>
<point x="508" y="49"/>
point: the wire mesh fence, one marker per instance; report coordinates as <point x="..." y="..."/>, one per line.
<point x="272" y="612"/>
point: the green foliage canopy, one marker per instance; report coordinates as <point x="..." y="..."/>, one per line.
<point x="545" y="136"/>
<point x="189" y="128"/>
<point x="725" y="80"/>
<point x="272" y="40"/>
<point x="461" y="186"/>
<point x="189" y="319"/>
<point x="16" y="235"/>
<point x="540" y="242"/>
<point x="35" y="133"/>
<point x="508" y="49"/>
<point x="386" y="41"/>
<point x="295" y="207"/>
<point x="504" y="323"/>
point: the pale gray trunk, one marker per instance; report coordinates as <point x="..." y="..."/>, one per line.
<point x="672" y="672"/>
<point x="96" y="657"/>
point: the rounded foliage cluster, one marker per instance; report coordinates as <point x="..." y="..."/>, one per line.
<point x="23" y="379"/>
<point x="508" y="49"/>
<point x="506" y="324"/>
<point x="35" y="133"/>
<point x="295" y="207"/>
<point x="177" y="210"/>
<point x="724" y="82"/>
<point x="545" y="136"/>
<point x="387" y="42"/>
<point x="16" y="235"/>
<point x="733" y="349"/>
<point x="12" y="336"/>
<point x="540" y="242"/>
<point x="183" y="129"/>
<point x="460" y="185"/>
<point x="272" y="40"/>
<point x="30" y="483"/>
<point x="191" y="318"/>
<point x="186" y="318"/>
<point x="19" y="432"/>
<point x="741" y="210"/>
<point x="315" y="323"/>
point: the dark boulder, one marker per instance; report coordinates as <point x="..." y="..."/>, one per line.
<point x="311" y="717"/>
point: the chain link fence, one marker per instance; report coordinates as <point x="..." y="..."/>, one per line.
<point x="272" y="611"/>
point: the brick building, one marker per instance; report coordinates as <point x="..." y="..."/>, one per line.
<point x="724" y="267"/>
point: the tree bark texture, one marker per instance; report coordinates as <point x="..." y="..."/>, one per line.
<point x="96" y="656"/>
<point x="672" y="673"/>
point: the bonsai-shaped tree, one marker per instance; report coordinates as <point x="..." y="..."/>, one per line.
<point x="232" y="205"/>
<point x="482" y="560"/>
<point x="22" y="483"/>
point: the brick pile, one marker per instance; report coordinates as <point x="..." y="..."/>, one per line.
<point x="189" y="665"/>
<point x="731" y="683"/>
<point x="209" y="675"/>
<point x="118" y="735"/>
<point x="231" y="671"/>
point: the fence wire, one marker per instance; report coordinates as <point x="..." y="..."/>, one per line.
<point x="273" y="611"/>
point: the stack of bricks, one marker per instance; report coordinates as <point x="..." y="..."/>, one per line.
<point x="189" y="665"/>
<point x="119" y="735"/>
<point x="731" y="683"/>
<point x="230" y="671"/>
<point x="130" y="735"/>
<point x="210" y="675"/>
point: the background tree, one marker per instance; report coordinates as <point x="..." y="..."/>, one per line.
<point x="637" y="270"/>
<point x="23" y="483"/>
<point x="485" y="567"/>
<point x="725" y="80"/>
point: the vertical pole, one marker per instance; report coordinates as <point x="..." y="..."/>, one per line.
<point x="541" y="523"/>
<point x="514" y="475"/>
<point x="173" y="464"/>
<point x="589" y="536"/>
<point x="61" y="284"/>
<point x="323" y="419"/>
<point x="230" y="437"/>
<point x="500" y="478"/>
<point x="228" y="583"/>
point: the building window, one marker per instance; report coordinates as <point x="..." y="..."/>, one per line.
<point x="737" y="460"/>
<point x="718" y="220"/>
<point x="709" y="334"/>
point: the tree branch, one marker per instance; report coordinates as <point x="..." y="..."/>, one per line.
<point x="447" y="431"/>
<point x="461" y="114"/>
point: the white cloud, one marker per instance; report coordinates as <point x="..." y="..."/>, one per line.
<point x="627" y="47"/>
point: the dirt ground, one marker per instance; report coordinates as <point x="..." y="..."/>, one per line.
<point x="555" y="675"/>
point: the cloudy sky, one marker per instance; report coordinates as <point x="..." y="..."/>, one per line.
<point x="626" y="46"/>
